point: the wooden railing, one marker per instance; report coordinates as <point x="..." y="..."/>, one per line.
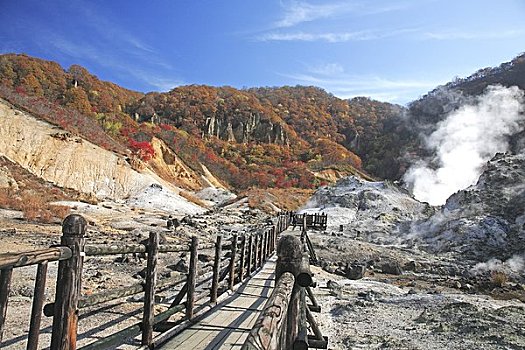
<point x="235" y="260"/>
<point x="310" y="221"/>
<point x="284" y="322"/>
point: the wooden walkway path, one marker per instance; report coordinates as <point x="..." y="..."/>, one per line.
<point x="228" y="324"/>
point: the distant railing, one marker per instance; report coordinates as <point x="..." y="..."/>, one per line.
<point x="310" y="221"/>
<point x="284" y="321"/>
<point x="235" y="260"/>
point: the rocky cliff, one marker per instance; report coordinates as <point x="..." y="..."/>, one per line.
<point x="254" y="128"/>
<point x="68" y="160"/>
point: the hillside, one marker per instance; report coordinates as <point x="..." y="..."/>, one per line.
<point x="269" y="137"/>
<point x="272" y="137"/>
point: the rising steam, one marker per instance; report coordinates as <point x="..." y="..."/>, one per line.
<point x="465" y="141"/>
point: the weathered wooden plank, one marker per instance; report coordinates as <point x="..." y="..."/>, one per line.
<point x="38" y="303"/>
<point x="149" y="288"/>
<point x="34" y="257"/>
<point x="5" y="286"/>
<point x="231" y="322"/>
<point x="233" y="256"/>
<point x="117" y="338"/>
<point x="250" y="256"/>
<point x="266" y="332"/>
<point x="242" y="260"/>
<point x="216" y="268"/>
<point x="192" y="276"/>
<point x="68" y="285"/>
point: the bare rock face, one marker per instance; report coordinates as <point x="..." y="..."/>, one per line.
<point x="370" y="210"/>
<point x="170" y="167"/>
<point x="253" y="128"/>
<point x="67" y="160"/>
<point x="6" y="180"/>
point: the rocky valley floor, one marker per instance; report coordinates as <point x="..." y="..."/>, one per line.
<point x="373" y="295"/>
<point x="423" y="302"/>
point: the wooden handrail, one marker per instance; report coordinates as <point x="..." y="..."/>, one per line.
<point x="286" y="317"/>
<point x="34" y="257"/>
<point x="267" y="331"/>
<point x="247" y="254"/>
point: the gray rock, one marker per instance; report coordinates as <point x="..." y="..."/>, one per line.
<point x="355" y="271"/>
<point x="391" y="267"/>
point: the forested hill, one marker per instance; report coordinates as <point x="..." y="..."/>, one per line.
<point x="264" y="137"/>
<point x="259" y="137"/>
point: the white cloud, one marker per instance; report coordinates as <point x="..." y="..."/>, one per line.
<point x="334" y="37"/>
<point x="297" y="12"/>
<point x="348" y="86"/>
<point x="107" y="58"/>
<point x="466" y="35"/>
<point x="327" y="69"/>
<point x="161" y="83"/>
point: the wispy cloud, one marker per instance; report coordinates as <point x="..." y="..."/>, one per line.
<point x="161" y="83"/>
<point x="334" y="37"/>
<point x="113" y="47"/>
<point x="326" y="69"/>
<point x="468" y="35"/>
<point x="373" y="86"/>
<point x="93" y="53"/>
<point x="297" y="12"/>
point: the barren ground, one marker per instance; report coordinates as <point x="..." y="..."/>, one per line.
<point x="434" y="305"/>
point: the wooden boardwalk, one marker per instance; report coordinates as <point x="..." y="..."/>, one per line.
<point x="228" y="324"/>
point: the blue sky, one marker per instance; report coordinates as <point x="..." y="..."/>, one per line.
<point x="388" y="50"/>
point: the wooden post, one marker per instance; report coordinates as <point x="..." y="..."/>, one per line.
<point x="255" y="251"/>
<point x="315" y="305"/>
<point x="242" y="259"/>
<point x="192" y="277"/>
<point x="68" y="287"/>
<point x="250" y="255"/>
<point x="263" y="247"/>
<point x="231" y="280"/>
<point x="301" y="340"/>
<point x="313" y="325"/>
<point x="216" y="269"/>
<point x="149" y="288"/>
<point x="268" y="242"/>
<point x="5" y="286"/>
<point x="259" y="250"/>
<point x="274" y="245"/>
<point x="38" y="303"/>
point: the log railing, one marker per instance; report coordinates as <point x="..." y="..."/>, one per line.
<point x="286" y="317"/>
<point x="235" y="260"/>
<point x="314" y="221"/>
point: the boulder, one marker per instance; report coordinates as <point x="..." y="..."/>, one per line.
<point x="391" y="267"/>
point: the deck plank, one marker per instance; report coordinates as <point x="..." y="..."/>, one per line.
<point x="228" y="325"/>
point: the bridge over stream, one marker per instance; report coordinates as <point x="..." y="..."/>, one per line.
<point x="247" y="298"/>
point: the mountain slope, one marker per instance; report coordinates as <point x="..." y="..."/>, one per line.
<point x="245" y="138"/>
<point x="261" y="137"/>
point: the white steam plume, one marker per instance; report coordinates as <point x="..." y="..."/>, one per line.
<point x="465" y="141"/>
<point x="515" y="264"/>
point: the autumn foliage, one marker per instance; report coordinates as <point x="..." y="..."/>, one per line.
<point x="264" y="137"/>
